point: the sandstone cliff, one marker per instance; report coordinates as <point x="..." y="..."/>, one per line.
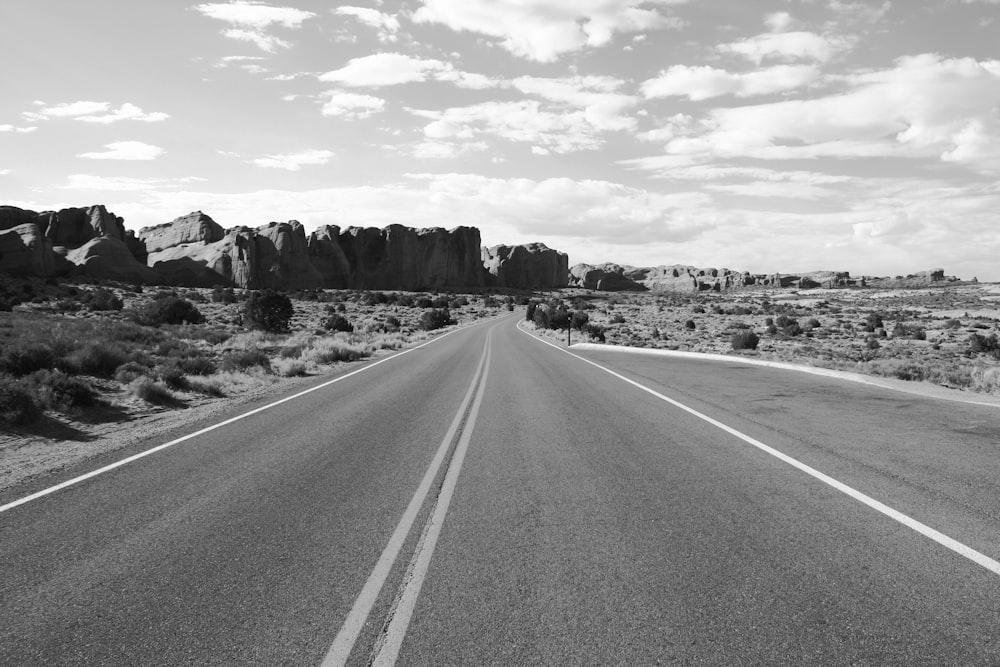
<point x="526" y="266"/>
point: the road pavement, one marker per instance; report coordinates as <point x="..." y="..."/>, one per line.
<point x="490" y="499"/>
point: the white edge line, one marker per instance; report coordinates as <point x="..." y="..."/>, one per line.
<point x="925" y="530"/>
<point x="396" y="632"/>
<point x="343" y="644"/>
<point x="811" y="370"/>
<point x="100" y="471"/>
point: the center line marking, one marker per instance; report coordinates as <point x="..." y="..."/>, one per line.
<point x="961" y="549"/>
<point x="343" y="644"/>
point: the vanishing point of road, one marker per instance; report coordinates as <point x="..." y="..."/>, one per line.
<point x="488" y="498"/>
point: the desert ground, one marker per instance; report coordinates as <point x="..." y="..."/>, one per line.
<point x="100" y="371"/>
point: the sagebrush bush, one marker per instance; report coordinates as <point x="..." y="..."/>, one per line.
<point x="269" y="311"/>
<point x="338" y="322"/>
<point x="55" y="390"/>
<point x="17" y="406"/>
<point x="744" y="340"/>
<point x="167" y="309"/>
<point x="173" y="377"/>
<point x="241" y="360"/>
<point x="435" y="318"/>
<point x="328" y="350"/>
<point x="197" y="364"/>
<point x="129" y="371"/>
<point x="26" y="358"/>
<point x="101" y="299"/>
<point x="151" y="392"/>
<point x="290" y="367"/>
<point x="97" y="358"/>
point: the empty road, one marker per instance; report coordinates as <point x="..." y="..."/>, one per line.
<point x="491" y="499"/>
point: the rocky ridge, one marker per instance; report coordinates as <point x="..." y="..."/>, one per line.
<point x="686" y="279"/>
<point x="194" y="250"/>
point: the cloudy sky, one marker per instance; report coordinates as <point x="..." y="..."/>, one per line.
<point x="778" y="135"/>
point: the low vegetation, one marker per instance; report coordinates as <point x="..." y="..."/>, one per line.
<point x="66" y="350"/>
<point x="949" y="336"/>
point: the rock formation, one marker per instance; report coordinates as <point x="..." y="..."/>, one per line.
<point x="25" y="251"/>
<point x="328" y="258"/>
<point x="109" y="258"/>
<point x="604" y="277"/>
<point x="194" y="227"/>
<point x="526" y="266"/>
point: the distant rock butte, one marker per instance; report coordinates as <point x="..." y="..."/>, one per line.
<point x="679" y="278"/>
<point x="194" y="250"/>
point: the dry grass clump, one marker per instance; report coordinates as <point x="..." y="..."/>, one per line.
<point x="289" y="367"/>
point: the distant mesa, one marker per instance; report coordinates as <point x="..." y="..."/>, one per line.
<point x="194" y="250"/>
<point x="687" y="279"/>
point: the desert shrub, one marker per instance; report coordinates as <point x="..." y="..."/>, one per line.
<point x="223" y="295"/>
<point x="173" y="377"/>
<point x="985" y="379"/>
<point x="458" y="302"/>
<point x="327" y="351"/>
<point x="772" y="329"/>
<point x="101" y="299"/>
<point x="293" y="351"/>
<point x="579" y="319"/>
<point x="953" y="324"/>
<point x="435" y="318"/>
<point x="423" y="302"/>
<point x="595" y="331"/>
<point x="195" y="296"/>
<point x="16" y="403"/>
<point x="690" y="325"/>
<point x="744" y="340"/>
<point x="129" y="371"/>
<point x="440" y="301"/>
<point x="984" y="344"/>
<point x="206" y="387"/>
<point x="541" y="318"/>
<point x="98" y="358"/>
<point x="241" y="360"/>
<point x="26" y="359"/>
<point x="617" y="318"/>
<point x="167" y="309"/>
<point x="873" y="322"/>
<point x="151" y="392"/>
<point x="290" y="367"/>
<point x="374" y="298"/>
<point x="872" y="343"/>
<point x="268" y="310"/>
<point x="55" y="390"/>
<point x="337" y="322"/>
<point x="392" y="323"/>
<point x="529" y="311"/>
<point x="914" y="331"/>
<point x="813" y="323"/>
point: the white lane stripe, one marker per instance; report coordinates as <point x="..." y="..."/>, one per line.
<point x="94" y="473"/>
<point x="925" y="530"/>
<point x="343" y="644"/>
<point x="392" y="639"/>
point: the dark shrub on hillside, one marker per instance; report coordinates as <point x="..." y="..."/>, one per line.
<point x="337" y="322"/>
<point x="423" y="302"/>
<point x="167" y="309"/>
<point x="984" y="344"/>
<point x="173" y="377"/>
<point x="617" y="318"/>
<point x="529" y="313"/>
<point x="241" y="360"/>
<point x="541" y="317"/>
<point x="873" y="322"/>
<point x="16" y="404"/>
<point x="690" y="325"/>
<point x="579" y="319"/>
<point x="392" y="323"/>
<point x="914" y="331"/>
<point x="98" y="358"/>
<point x="196" y="364"/>
<point x="55" y="390"/>
<point x="435" y="318"/>
<point x="152" y="392"/>
<point x="744" y="340"/>
<point x="22" y="360"/>
<point x="595" y="331"/>
<point x="129" y="371"/>
<point x="101" y="299"/>
<point x="268" y="310"/>
<point x="223" y="295"/>
<point x="559" y="317"/>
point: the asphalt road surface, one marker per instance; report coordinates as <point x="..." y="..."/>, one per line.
<point x="489" y="499"/>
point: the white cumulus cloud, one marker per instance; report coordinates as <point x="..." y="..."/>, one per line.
<point x="393" y="69"/>
<point x="294" y="161"/>
<point x="703" y="82"/>
<point x="798" y="45"/>
<point x="252" y="20"/>
<point x="544" y="30"/>
<point x="126" y="150"/>
<point x="352" y="105"/>
<point x="386" y="24"/>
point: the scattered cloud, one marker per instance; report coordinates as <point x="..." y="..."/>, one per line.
<point x="446" y="150"/>
<point x="703" y="82"/>
<point x="544" y="30"/>
<point x="352" y="106"/>
<point x="789" y="46"/>
<point x="294" y="161"/>
<point x="14" y="128"/>
<point x="923" y="107"/>
<point x="386" y="24"/>
<point x="94" y="112"/>
<point x="597" y="96"/>
<point x="126" y="150"/>
<point x="393" y="69"/>
<point x="252" y="20"/>
<point x="88" y="182"/>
